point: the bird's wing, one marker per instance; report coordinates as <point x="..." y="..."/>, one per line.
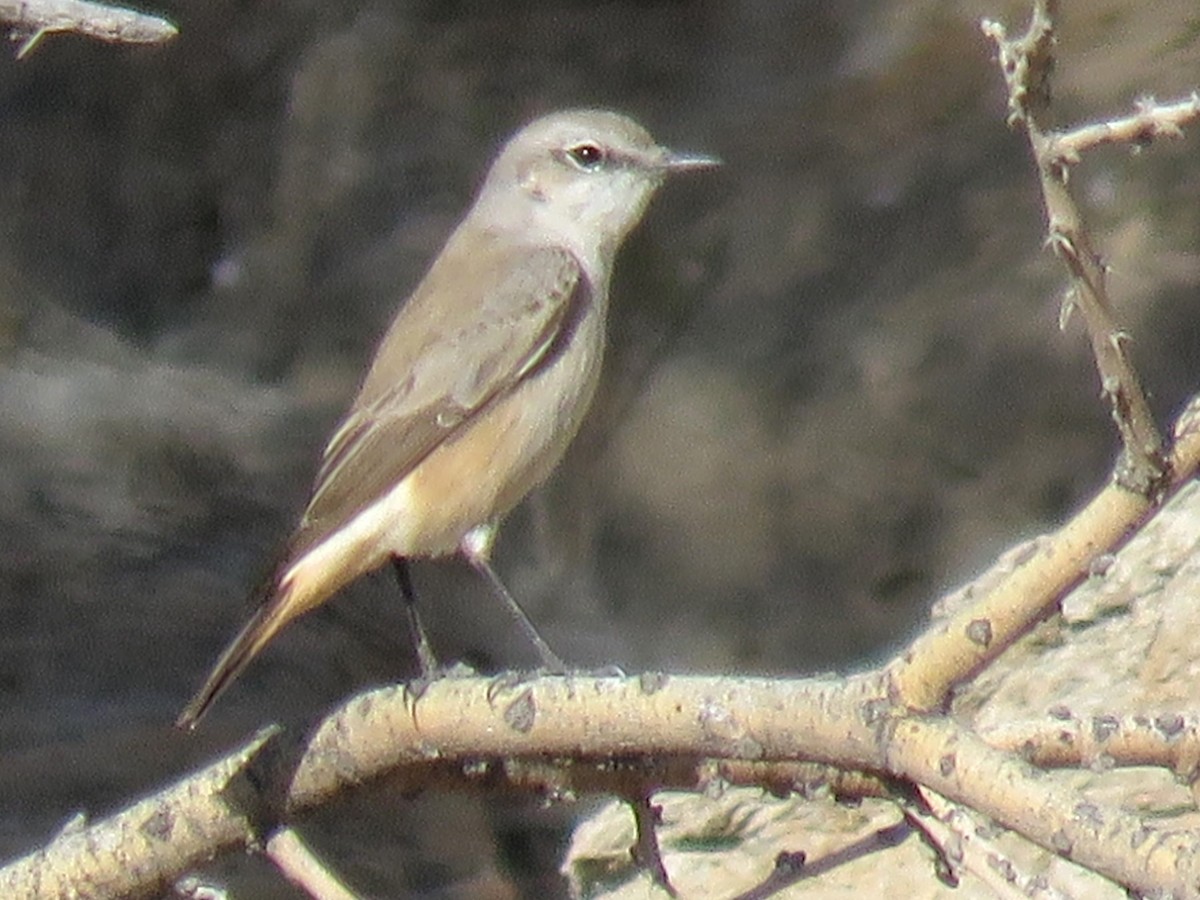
<point x="414" y="400"/>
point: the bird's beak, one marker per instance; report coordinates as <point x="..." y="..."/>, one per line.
<point x="686" y="162"/>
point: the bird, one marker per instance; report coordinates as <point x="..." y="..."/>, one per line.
<point x="478" y="385"/>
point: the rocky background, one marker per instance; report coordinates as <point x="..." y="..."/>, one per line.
<point x="836" y="384"/>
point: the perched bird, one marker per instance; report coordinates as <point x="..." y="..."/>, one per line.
<point x="481" y="381"/>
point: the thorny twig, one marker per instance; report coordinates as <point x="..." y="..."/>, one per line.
<point x="1027" y="63"/>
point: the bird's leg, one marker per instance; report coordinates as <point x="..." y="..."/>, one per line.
<point x="550" y="660"/>
<point x="476" y="546"/>
<point x="420" y="640"/>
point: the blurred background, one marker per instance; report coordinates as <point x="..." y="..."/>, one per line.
<point x="836" y="384"/>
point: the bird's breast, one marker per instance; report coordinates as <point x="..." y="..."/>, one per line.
<point x="507" y="450"/>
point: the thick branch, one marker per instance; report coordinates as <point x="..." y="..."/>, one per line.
<point x="583" y="733"/>
<point x="608" y="734"/>
<point x="954" y="650"/>
<point x="1169" y="740"/>
<point x="935" y="753"/>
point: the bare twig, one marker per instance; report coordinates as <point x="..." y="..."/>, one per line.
<point x="302" y="867"/>
<point x="1150" y="121"/>
<point x="1027" y="63"/>
<point x="955" y="651"/>
<point x="647" y="818"/>
<point x="966" y="847"/>
<point x="31" y="20"/>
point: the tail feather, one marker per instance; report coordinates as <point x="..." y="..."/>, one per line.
<point x="263" y="625"/>
<point x="295" y="587"/>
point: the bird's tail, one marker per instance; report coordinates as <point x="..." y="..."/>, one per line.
<point x="296" y="586"/>
<point x="270" y="616"/>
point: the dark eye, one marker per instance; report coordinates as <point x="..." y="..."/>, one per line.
<point x="586" y="156"/>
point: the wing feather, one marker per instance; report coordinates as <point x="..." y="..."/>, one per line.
<point x="442" y="363"/>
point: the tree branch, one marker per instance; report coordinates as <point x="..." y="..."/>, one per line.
<point x="302" y="868"/>
<point x="1032" y="582"/>
<point x="1168" y="740"/>
<point x="1027" y="63"/>
<point x="590" y="735"/>
<point x="33" y="19"/>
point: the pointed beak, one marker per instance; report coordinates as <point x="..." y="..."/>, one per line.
<point x="686" y="162"/>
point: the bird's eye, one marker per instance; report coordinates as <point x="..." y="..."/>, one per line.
<point x="586" y="156"/>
